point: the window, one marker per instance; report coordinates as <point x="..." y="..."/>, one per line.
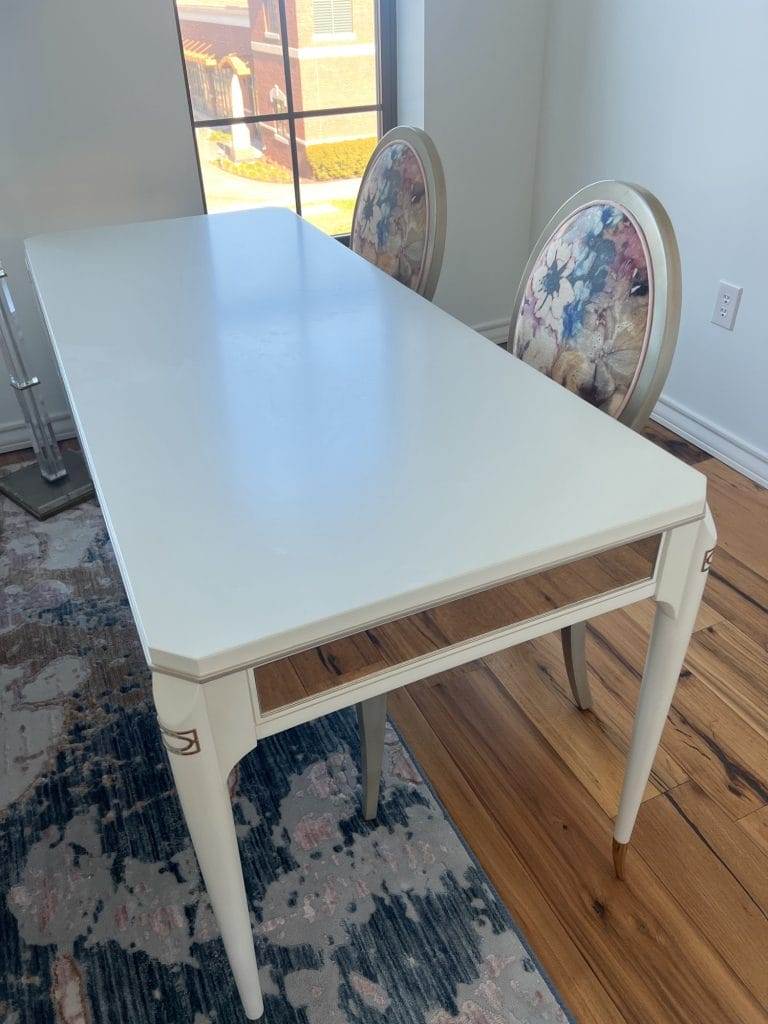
<point x="280" y="107"/>
<point x="288" y="100"/>
<point x="332" y="17"/>
<point x="271" y="18"/>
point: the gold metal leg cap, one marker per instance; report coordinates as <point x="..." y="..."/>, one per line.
<point x="619" y="858"/>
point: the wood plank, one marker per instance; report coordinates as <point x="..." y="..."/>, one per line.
<point x="740" y="510"/>
<point x="555" y="948"/>
<point x="739" y="595"/>
<point x="278" y="684"/>
<point x="614" y="689"/>
<point x="674" y="444"/>
<point x="339" y="662"/>
<point x="643" y="612"/>
<point x="534" y="676"/>
<point x="343" y="661"/>
<point x="756" y="827"/>
<point x="717" y="748"/>
<point x="649" y="955"/>
<point x="721" y="880"/>
<point x="736" y="668"/>
<point x="711" y="741"/>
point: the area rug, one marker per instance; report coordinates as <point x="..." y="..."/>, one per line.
<point x="103" y="917"/>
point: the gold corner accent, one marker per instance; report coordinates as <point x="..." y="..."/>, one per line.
<point x="707" y="560"/>
<point x="189" y="741"/>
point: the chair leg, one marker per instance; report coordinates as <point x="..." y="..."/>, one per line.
<point x="372" y="719"/>
<point x="574" y="649"/>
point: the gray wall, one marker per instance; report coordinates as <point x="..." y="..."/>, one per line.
<point x="674" y="96"/>
<point x="94" y="129"/>
<point x="483" y="65"/>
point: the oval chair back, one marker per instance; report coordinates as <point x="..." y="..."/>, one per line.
<point x="598" y="308"/>
<point x="400" y="214"/>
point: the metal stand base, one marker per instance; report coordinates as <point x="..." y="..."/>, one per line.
<point x="43" y="499"/>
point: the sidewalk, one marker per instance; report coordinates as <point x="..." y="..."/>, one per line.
<point x="328" y="204"/>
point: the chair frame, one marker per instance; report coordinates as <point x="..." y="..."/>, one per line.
<point x="436" y="196"/>
<point x="657" y="233"/>
<point x="658" y="237"/>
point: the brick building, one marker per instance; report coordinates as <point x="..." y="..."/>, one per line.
<point x="234" y="56"/>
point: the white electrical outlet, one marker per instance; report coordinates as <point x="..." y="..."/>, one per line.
<point x="727" y="305"/>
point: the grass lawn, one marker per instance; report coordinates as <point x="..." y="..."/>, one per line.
<point x="333" y="216"/>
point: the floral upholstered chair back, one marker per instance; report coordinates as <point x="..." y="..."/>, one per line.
<point x="400" y="215"/>
<point x="598" y="308"/>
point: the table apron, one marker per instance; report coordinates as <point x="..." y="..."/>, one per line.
<point x="447" y="658"/>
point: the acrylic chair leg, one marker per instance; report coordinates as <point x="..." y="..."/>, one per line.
<point x="574" y="640"/>
<point x="672" y="628"/>
<point x="372" y="719"/>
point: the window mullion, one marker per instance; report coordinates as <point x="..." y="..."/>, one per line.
<point x="289" y="102"/>
<point x="211" y="85"/>
<point x="386" y="63"/>
<point x="216" y="122"/>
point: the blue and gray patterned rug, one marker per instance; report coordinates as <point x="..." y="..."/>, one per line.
<point x="103" y="919"/>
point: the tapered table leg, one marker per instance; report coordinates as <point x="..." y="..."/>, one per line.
<point x="202" y="787"/>
<point x="681" y="585"/>
<point x="372" y="720"/>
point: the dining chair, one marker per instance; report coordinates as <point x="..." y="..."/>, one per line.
<point x="598" y="311"/>
<point x="400" y="215"/>
<point x="399" y="225"/>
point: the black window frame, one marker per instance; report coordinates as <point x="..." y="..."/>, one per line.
<point x="385" y="107"/>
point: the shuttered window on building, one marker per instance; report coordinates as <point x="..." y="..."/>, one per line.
<point x="332" y="17"/>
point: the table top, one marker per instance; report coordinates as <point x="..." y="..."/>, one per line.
<point x="288" y="445"/>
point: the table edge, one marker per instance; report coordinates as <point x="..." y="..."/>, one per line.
<point x="253" y="653"/>
<point x="204" y="668"/>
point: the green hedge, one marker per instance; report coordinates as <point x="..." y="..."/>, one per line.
<point x="331" y="160"/>
<point x="256" y="170"/>
<point x="328" y="161"/>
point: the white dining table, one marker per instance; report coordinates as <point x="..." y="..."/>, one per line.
<point x="293" y="451"/>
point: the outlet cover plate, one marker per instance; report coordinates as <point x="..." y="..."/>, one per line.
<point x="727" y="305"/>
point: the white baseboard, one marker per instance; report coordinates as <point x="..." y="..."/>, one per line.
<point x="15" y="433"/>
<point x="732" y="450"/>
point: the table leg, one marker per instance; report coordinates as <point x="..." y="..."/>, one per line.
<point x="201" y="781"/>
<point x="682" y="577"/>
<point x="372" y="721"/>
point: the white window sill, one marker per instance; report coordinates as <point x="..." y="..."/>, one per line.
<point x="333" y="37"/>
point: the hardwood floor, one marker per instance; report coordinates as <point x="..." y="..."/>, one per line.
<point x="533" y="784"/>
